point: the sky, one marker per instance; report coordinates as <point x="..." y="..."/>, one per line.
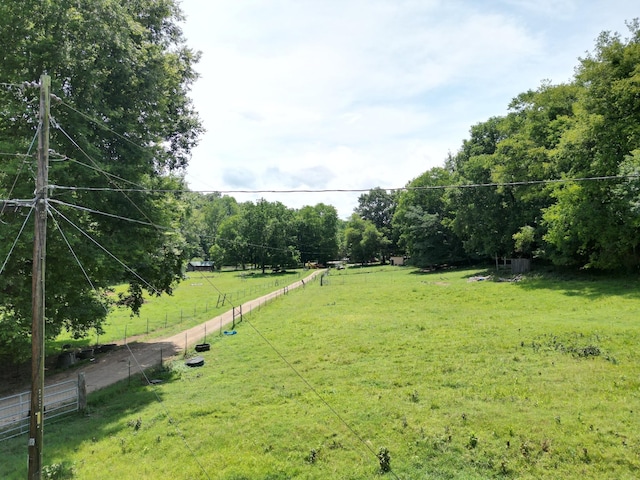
<point x="355" y="94"/>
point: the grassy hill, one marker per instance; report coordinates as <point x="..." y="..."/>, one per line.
<point x="439" y="375"/>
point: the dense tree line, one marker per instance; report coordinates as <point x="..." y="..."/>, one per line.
<point x="556" y="178"/>
<point x="261" y="234"/>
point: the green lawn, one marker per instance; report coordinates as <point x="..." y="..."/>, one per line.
<point x="457" y="379"/>
<point x="199" y="297"/>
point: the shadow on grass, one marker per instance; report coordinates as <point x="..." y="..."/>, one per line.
<point x="570" y="282"/>
<point x="108" y="407"/>
<point x="588" y="284"/>
<point x="269" y="273"/>
<point x="104" y="417"/>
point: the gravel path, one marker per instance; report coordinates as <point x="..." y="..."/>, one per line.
<point x="113" y="366"/>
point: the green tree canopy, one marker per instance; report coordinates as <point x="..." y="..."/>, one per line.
<point x="423" y="217"/>
<point x="317" y="230"/>
<point x="122" y="130"/>
<point x="378" y="206"/>
<point x="363" y="240"/>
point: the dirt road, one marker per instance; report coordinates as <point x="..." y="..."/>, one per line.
<point x="136" y="356"/>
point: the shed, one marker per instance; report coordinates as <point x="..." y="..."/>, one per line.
<point x="396" y="260"/>
<point x="200" y="266"/>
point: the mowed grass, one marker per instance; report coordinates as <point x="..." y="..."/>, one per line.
<point x="199" y="297"/>
<point x="457" y="379"/>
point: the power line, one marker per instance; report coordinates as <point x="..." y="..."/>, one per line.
<point x="84" y="272"/>
<point x="16" y="240"/>
<point x="98" y="122"/>
<point x="117" y="189"/>
<point x="361" y="190"/>
<point x="15" y="181"/>
<point x="8" y="154"/>
<point x="166" y="411"/>
<point x="91" y="210"/>
<point x="130" y="270"/>
<point x="86" y="275"/>
<point x="22" y="85"/>
<point x="94" y="167"/>
<point x="316" y="393"/>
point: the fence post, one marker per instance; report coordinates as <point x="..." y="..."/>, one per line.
<point x="82" y="392"/>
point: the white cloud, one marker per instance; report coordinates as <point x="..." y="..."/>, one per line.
<point x="349" y="94"/>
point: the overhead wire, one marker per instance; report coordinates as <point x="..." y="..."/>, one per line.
<point x="86" y="275"/>
<point x="103" y="125"/>
<point x="117" y="189"/>
<point x="9" y="85"/>
<point x="119" y="217"/>
<point x="167" y="413"/>
<point x="316" y="393"/>
<point x="96" y="168"/>
<point x="8" y="154"/>
<point x="294" y="191"/>
<point x="84" y="272"/>
<point x="182" y="436"/>
<point x="52" y="210"/>
<point x="361" y="190"/>
<point x="15" y="242"/>
<point x="304" y="380"/>
<point x="98" y="122"/>
<point x="15" y="180"/>
<point x="130" y="270"/>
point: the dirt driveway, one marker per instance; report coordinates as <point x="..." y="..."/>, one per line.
<point x="136" y="356"/>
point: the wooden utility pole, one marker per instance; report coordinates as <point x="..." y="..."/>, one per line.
<point x="36" y="421"/>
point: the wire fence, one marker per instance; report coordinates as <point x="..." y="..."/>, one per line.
<point x="190" y="313"/>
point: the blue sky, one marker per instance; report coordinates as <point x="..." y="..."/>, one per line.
<point x="354" y="94"/>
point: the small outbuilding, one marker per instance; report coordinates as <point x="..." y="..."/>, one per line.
<point x="396" y="260"/>
<point x="200" y="266"/>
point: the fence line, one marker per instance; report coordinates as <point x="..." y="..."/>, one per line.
<point x="70" y="396"/>
<point x="236" y="314"/>
<point x="144" y="324"/>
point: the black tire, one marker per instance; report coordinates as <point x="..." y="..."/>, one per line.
<point x="105" y="348"/>
<point x="203" y="347"/>
<point x="195" y="362"/>
<point x="85" y="354"/>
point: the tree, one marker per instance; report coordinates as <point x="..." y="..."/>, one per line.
<point x="593" y="224"/>
<point x="423" y="217"/>
<point x="203" y="216"/>
<point x="230" y="240"/>
<point x="362" y="239"/>
<point x="317" y="233"/>
<point x="123" y="128"/>
<point x="262" y="234"/>
<point x="216" y="255"/>
<point x="378" y="206"/>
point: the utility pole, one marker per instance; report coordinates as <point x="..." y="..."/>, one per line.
<point x="36" y="421"/>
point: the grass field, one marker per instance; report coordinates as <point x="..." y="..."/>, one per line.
<point x="199" y="297"/>
<point x="428" y="376"/>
